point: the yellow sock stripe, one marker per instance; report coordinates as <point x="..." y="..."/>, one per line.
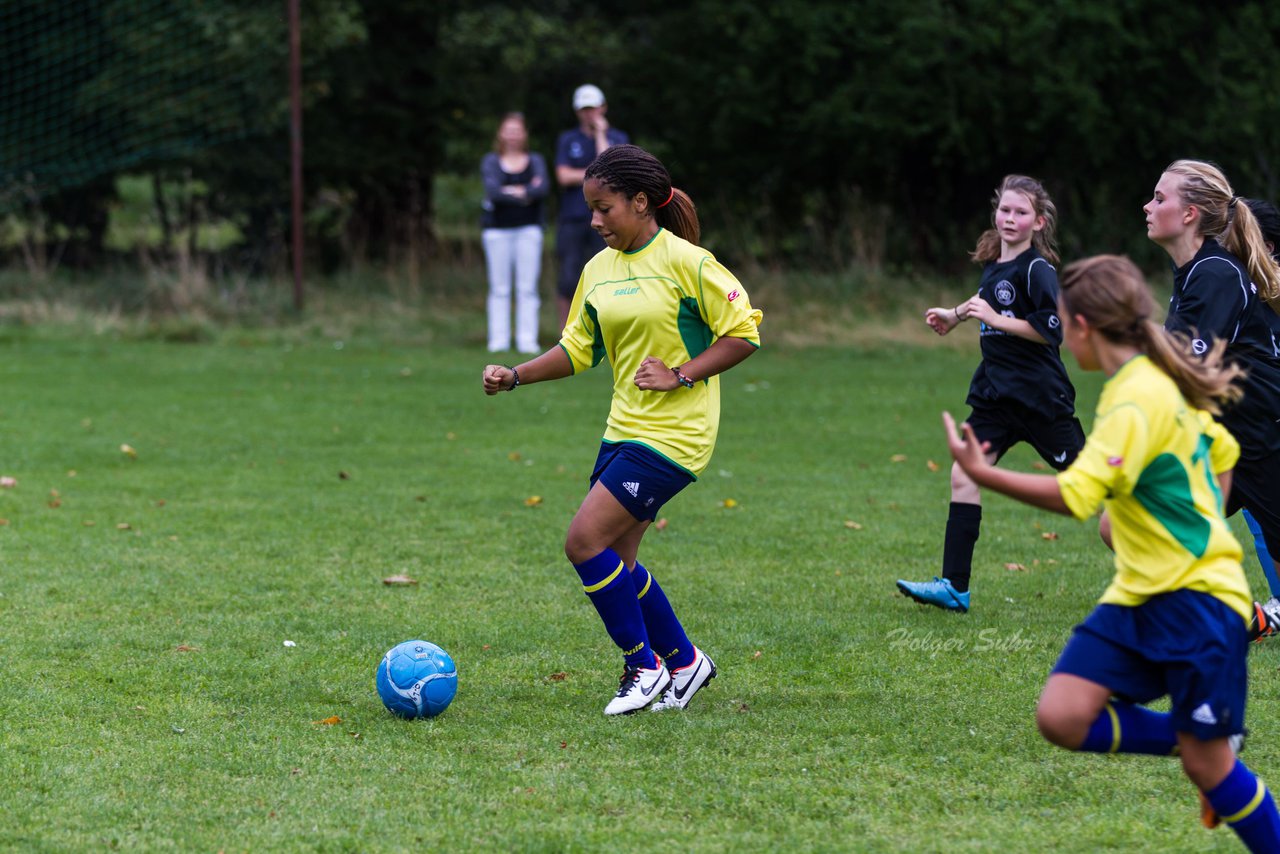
<point x="1248" y="810"/>
<point x="648" y="582"/>
<point x="603" y="584"/>
<point x="1115" y="729"/>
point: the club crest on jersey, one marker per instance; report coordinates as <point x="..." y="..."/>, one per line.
<point x="733" y="295"/>
<point x="1053" y="321"/>
<point x="1004" y="292"/>
<point x="1115" y="462"/>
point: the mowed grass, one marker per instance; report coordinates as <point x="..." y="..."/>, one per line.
<point x="148" y="700"/>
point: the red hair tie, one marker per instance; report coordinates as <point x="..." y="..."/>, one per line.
<point x="670" y="196"/>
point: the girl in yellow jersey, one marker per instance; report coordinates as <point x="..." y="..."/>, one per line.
<point x="1174" y="619"/>
<point x="670" y="318"/>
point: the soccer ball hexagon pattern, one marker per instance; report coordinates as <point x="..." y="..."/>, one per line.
<point x="416" y="679"/>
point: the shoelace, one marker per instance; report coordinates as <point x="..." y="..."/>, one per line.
<point x="630" y="676"/>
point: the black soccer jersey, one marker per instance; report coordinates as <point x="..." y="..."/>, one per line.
<point x="1014" y="369"/>
<point x="1214" y="299"/>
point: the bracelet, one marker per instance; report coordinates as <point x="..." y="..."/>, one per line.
<point x="959" y="316"/>
<point x="681" y="378"/>
<point x="515" y="378"/>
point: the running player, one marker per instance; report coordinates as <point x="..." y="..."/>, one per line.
<point x="1269" y="222"/>
<point x="1173" y="620"/>
<point x="1223" y="274"/>
<point x="669" y="318"/>
<point x="1020" y="391"/>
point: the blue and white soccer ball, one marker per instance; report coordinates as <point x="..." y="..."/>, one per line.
<point x="416" y="679"/>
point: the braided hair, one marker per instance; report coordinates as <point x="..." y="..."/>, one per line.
<point x="630" y="170"/>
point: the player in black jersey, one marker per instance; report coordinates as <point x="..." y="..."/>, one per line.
<point x="1223" y="278"/>
<point x="1020" y="391"/>
<point x="1266" y="620"/>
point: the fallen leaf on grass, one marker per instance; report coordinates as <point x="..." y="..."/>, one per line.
<point x="186" y="647"/>
<point x="563" y="745"/>
<point x="514" y="456"/>
<point x="729" y="503"/>
<point x="329" y="721"/>
<point x="129" y="452"/>
<point x="88" y="523"/>
<point x="1049" y="535"/>
<point x="4" y="521"/>
<point x="399" y="579"/>
<point x="124" y="526"/>
<point x="558" y="677"/>
<point x="342" y="475"/>
<point x="661" y="524"/>
<point x="55" y="503"/>
<point x="7" y="482"/>
<point x="758" y="653"/>
<point x="1039" y="466"/>
<point x="898" y="458"/>
<point x="852" y="525"/>
<point x="1015" y="567"/>
<point x="931" y="465"/>
<point x="533" y="501"/>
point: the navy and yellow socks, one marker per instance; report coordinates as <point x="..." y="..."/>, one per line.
<point x="1128" y="728"/>
<point x="1245" y="804"/>
<point x="665" y="631"/>
<point x="607" y="584"/>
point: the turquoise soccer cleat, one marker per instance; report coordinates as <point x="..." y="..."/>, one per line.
<point x="938" y="593"/>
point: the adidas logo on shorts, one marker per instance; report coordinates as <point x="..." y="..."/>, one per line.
<point x="632" y="487"/>
<point x="1204" y="715"/>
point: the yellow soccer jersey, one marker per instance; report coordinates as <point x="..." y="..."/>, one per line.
<point x="1152" y="459"/>
<point x="669" y="299"/>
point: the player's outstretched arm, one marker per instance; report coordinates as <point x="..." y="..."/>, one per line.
<point x="1038" y="490"/>
<point x="551" y="365"/>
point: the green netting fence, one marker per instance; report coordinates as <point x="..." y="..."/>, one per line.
<point x="98" y="87"/>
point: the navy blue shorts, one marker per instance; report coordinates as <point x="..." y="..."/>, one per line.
<point x="642" y="480"/>
<point x="1057" y="440"/>
<point x="1186" y="644"/>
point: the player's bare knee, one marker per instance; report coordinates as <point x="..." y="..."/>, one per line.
<point x="963" y="489"/>
<point x="1060" y="727"/>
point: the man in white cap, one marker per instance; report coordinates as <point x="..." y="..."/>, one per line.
<point x="576" y="241"/>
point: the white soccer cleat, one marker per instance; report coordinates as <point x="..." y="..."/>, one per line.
<point x="686" y="681"/>
<point x="638" y="687"/>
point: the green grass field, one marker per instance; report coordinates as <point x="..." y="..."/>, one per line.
<point x="148" y="700"/>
